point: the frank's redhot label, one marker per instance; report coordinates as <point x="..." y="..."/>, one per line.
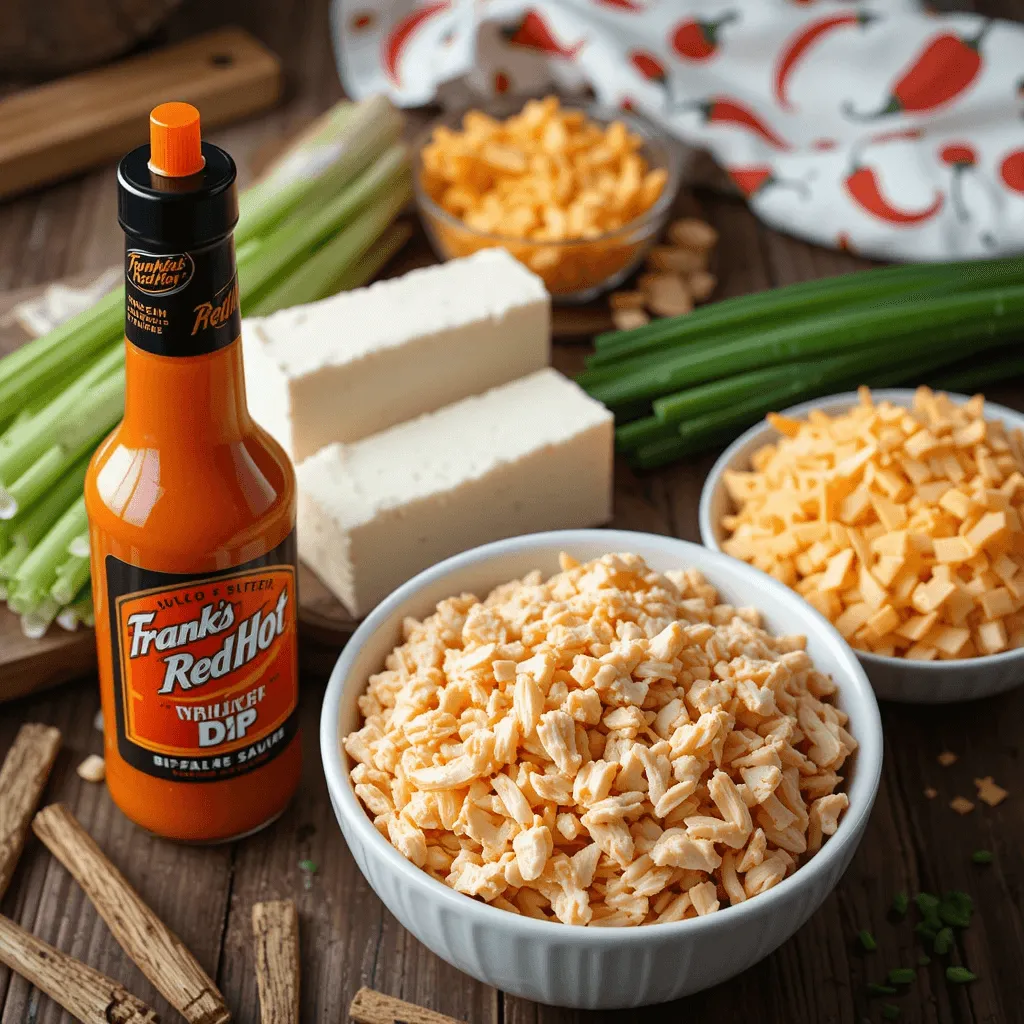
<point x="205" y="667"/>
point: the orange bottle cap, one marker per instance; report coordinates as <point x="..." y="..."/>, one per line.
<point x="175" y="145"/>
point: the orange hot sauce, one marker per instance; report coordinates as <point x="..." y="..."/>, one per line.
<point x="191" y="519"/>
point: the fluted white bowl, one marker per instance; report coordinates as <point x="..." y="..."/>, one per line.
<point x="896" y="679"/>
<point x="571" y="965"/>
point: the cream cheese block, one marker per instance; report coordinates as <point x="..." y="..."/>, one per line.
<point x="532" y="455"/>
<point x="361" y="361"/>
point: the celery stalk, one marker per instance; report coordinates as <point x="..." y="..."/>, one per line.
<point x="291" y="243"/>
<point x="314" y="278"/>
<point x="36" y="620"/>
<point x="36" y="574"/>
<point x="349" y="143"/>
<point x="28" y="370"/>
<point x="19" y="448"/>
<point x="372" y="262"/>
<point x="71" y="577"/>
<point x="31" y="524"/>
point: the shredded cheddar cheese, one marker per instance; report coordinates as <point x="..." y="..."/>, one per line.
<point x="901" y="526"/>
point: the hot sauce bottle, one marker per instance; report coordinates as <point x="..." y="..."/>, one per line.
<point x="192" y="521"/>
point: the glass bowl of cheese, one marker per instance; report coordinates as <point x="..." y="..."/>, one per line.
<point x="577" y="193"/>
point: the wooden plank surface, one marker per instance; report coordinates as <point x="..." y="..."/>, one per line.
<point x="347" y="938"/>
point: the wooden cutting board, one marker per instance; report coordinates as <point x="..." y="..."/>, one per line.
<point x="66" y="126"/>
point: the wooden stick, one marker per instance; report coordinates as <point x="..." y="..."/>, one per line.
<point x="276" y="927"/>
<point x="160" y="954"/>
<point x="86" y="994"/>
<point x="372" y="1007"/>
<point x="22" y="781"/>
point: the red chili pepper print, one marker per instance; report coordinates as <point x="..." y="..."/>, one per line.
<point x="622" y="5"/>
<point x="1012" y="171"/>
<point x="648" y="65"/>
<point x="941" y="73"/>
<point x="752" y="181"/>
<point x="802" y="42"/>
<point x="698" y="40"/>
<point x="725" y="111"/>
<point x="865" y="190"/>
<point x="628" y="104"/>
<point x="533" y="33"/>
<point x="960" y="157"/>
<point x="398" y="38"/>
<point x="501" y="83"/>
<point x="361" y="20"/>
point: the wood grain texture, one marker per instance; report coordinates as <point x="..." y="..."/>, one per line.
<point x="275" y="928"/>
<point x="22" y="781"/>
<point x="160" y="954"/>
<point x="227" y="73"/>
<point x="371" y="1007"/>
<point x="90" y="996"/>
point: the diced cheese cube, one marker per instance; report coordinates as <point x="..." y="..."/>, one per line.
<point x="950" y="640"/>
<point x="991" y="527"/>
<point x="836" y="570"/>
<point x="885" y="620"/>
<point x="920" y="652"/>
<point x="853" y="618"/>
<point x="532" y="455"/>
<point x="952" y="549"/>
<point x="991" y="637"/>
<point x="871" y="590"/>
<point x="917" y="626"/>
<point x="996" y="603"/>
<point x="361" y="361"/>
<point x="956" y="502"/>
<point x="929" y="596"/>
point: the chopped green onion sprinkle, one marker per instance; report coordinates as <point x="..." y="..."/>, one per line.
<point x="944" y="941"/>
<point x="959" y="975"/>
<point x="309" y="866"/>
<point x="890" y="1011"/>
<point x="867" y="941"/>
<point x="956" y="909"/>
<point x="926" y="903"/>
<point x="902" y="976"/>
<point x="925" y="931"/>
<point x="875" y="989"/>
<point x="982" y="857"/>
<point x="900" y="903"/>
<point x="923" y="961"/>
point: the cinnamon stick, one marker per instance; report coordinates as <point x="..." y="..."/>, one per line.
<point x="159" y="953"/>
<point x="22" y="781"/>
<point x="372" y="1007"/>
<point x="276" y="927"/>
<point x="86" y="994"/>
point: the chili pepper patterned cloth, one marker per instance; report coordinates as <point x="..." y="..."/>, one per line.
<point x="870" y="126"/>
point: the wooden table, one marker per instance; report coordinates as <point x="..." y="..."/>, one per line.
<point x="348" y="939"/>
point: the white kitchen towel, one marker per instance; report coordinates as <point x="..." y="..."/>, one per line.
<point x="878" y="127"/>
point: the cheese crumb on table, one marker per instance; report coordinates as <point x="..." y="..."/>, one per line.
<point x="961" y="805"/>
<point x="901" y="526"/>
<point x="946" y="758"/>
<point x="612" y="746"/>
<point x="92" y="769"/>
<point x="931" y="792"/>
<point x="532" y="455"/>
<point x="989" y="792"/>
<point x="363" y="360"/>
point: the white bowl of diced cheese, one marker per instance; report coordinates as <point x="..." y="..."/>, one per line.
<point x="570" y="964"/>
<point x="944" y="680"/>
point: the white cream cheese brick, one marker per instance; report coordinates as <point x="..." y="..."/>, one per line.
<point x="361" y="361"/>
<point x="532" y="455"/>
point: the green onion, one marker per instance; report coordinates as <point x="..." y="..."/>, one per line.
<point x="981" y="857"/>
<point x="923" y="960"/>
<point x="900" y="903"/>
<point x="944" y="941"/>
<point x="959" y="975"/>
<point x="810" y="298"/>
<point x="867" y="941"/>
<point x="947" y="321"/>
<point x="901" y="976"/>
<point x="956" y="909"/>
<point x="875" y="989"/>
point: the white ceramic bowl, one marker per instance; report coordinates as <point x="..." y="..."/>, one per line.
<point x="912" y="682"/>
<point x="570" y="965"/>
